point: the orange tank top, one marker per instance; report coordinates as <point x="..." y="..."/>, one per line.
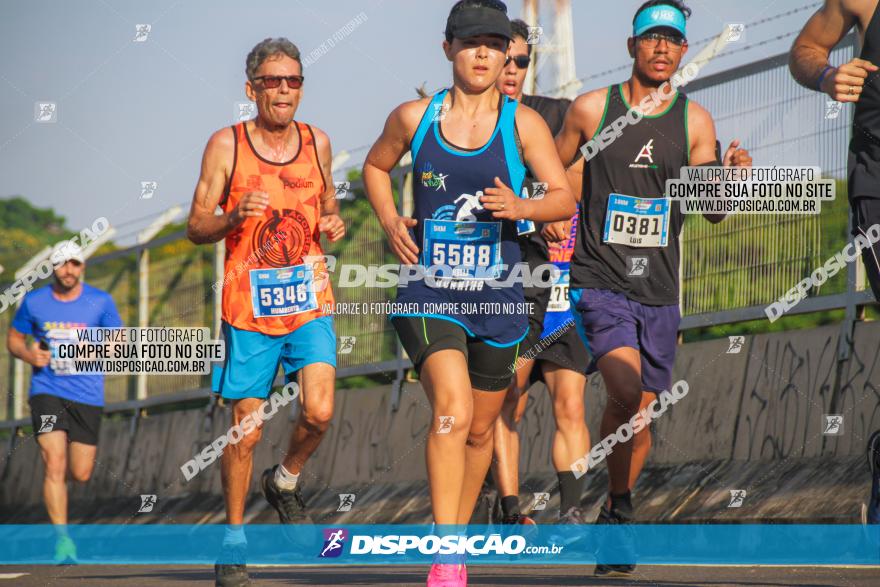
<point x="270" y="285"/>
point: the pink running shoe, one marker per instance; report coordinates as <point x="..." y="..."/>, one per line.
<point x="446" y="575"/>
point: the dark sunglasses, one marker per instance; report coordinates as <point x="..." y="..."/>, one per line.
<point x="270" y="82"/>
<point x="522" y="61"/>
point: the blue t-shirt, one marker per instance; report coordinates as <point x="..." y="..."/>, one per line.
<point x="47" y="318"/>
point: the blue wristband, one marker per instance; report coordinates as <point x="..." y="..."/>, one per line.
<point x="822" y="77"/>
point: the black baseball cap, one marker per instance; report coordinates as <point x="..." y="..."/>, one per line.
<point x="479" y="20"/>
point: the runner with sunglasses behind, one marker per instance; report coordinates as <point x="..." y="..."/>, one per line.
<point x="562" y="362"/>
<point x="463" y="234"/>
<point x="631" y="320"/>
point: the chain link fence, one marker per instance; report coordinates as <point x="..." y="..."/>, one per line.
<point x="749" y="260"/>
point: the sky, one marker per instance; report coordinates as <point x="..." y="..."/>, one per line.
<point x="132" y="111"/>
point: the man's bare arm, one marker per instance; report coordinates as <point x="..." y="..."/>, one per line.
<point x="808" y="61"/>
<point x="330" y="223"/>
<point x="540" y="156"/>
<point x="580" y="124"/>
<point x="16" y="343"/>
<point x="203" y="225"/>
<point x="329" y="204"/>
<point x="703" y="147"/>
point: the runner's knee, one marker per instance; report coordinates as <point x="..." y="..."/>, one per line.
<point x="82" y="473"/>
<point x="569" y="411"/>
<point x="249" y="441"/>
<point x="56" y="467"/>
<point x="451" y="417"/>
<point x="624" y="403"/>
<point x="481" y="437"/>
<point x="318" y="417"/>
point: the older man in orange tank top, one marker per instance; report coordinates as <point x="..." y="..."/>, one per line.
<point x="271" y="177"/>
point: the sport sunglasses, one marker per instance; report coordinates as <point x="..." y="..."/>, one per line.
<point x="522" y="61"/>
<point x="270" y="82"/>
<point x="654" y="39"/>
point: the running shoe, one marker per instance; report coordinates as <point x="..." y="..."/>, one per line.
<point x="289" y="504"/>
<point x="232" y="572"/>
<point x="447" y="575"/>
<point x="574" y="516"/>
<point x="619" y="514"/>
<point x="65" y="551"/>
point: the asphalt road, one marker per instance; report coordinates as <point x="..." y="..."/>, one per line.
<point x="657" y="576"/>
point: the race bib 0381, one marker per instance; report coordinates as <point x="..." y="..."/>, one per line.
<point x="636" y="222"/>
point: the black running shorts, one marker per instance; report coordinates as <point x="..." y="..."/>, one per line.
<point x="82" y="422"/>
<point x="490" y="367"/>
<point x="568" y="351"/>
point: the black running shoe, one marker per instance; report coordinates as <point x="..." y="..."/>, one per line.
<point x="618" y="514"/>
<point x="232" y="572"/>
<point x="289" y="504"/>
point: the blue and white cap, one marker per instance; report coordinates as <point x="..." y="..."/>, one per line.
<point x="660" y="16"/>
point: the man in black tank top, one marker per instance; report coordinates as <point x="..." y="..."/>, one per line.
<point x="561" y="365"/>
<point x="625" y="267"/>
<point x="858" y="82"/>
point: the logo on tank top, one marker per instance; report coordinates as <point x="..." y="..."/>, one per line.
<point x="431" y="178"/>
<point x="296" y="183"/>
<point x="471" y="203"/>
<point x="646" y="153"/>
<point x="464" y="213"/>
<point x="295" y="238"/>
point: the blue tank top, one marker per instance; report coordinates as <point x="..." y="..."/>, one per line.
<point x="468" y="255"/>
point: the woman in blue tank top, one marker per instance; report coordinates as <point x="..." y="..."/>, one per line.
<point x="461" y="324"/>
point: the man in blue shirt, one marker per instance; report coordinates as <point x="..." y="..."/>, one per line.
<point x="65" y="408"/>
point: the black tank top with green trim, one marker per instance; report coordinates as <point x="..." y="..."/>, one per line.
<point x="628" y="236"/>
